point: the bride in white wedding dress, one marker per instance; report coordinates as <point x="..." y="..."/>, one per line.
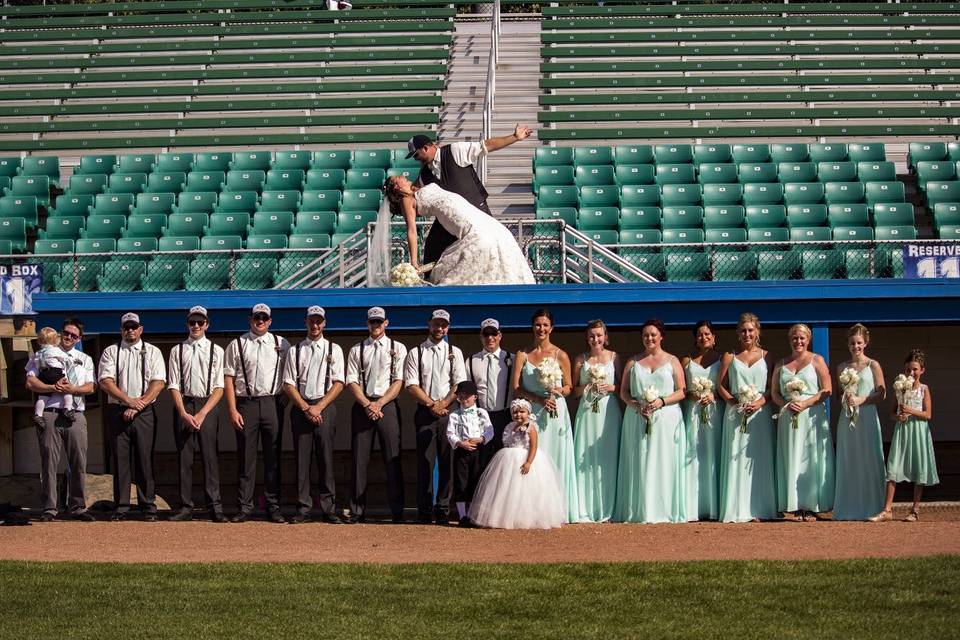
<point x="485" y="251"/>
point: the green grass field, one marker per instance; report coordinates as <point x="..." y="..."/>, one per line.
<point x="904" y="599"/>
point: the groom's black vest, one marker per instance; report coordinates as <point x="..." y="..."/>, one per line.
<point x="461" y="180"/>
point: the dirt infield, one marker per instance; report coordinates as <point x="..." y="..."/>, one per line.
<point x="937" y="533"/>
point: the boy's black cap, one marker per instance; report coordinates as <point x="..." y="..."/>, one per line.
<point x="467" y="386"/>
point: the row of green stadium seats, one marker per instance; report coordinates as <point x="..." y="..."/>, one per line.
<point x="946" y="214"/>
<point x="730" y="8"/>
<point x="673" y="195"/>
<point x="722" y="173"/>
<point x="895" y="214"/>
<point x="936" y="170"/>
<point x="937" y="192"/>
<point x="737" y="238"/>
<point x="633" y="154"/>
<point x="83" y="246"/>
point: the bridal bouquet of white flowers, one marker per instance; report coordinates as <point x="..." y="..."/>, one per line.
<point x="550" y="375"/>
<point x="650" y="396"/>
<point x="700" y="387"/>
<point x="746" y="395"/>
<point x="903" y="387"/>
<point x="849" y="382"/>
<point x="795" y="388"/>
<point x="406" y="275"/>
<point x="597" y="373"/>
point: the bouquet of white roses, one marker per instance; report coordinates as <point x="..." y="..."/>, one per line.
<point x="405" y="275"/>
<point x="903" y="387"/>
<point x="795" y="388"/>
<point x="650" y="396"/>
<point x="550" y="375"/>
<point x="597" y="373"/>
<point x="700" y="387"/>
<point x="746" y="394"/>
<point x="849" y="382"/>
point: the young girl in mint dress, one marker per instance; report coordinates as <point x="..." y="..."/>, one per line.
<point x="596" y="433"/>
<point x="703" y="418"/>
<point x="805" y="464"/>
<point x="860" y="472"/>
<point x="653" y="444"/>
<point x="911" y="456"/>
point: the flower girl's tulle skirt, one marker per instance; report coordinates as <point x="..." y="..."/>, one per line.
<point x="507" y="499"/>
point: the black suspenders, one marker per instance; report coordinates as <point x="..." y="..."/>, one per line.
<point x="246" y="374"/>
<point x="209" y="370"/>
<point x="508" y="362"/>
<point x="423" y="383"/>
<point x="363" y="370"/>
<point x="329" y="359"/>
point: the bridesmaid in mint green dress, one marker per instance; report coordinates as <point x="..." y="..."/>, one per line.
<point x="747" y="475"/>
<point x="805" y="464"/>
<point x="860" y="472"/>
<point x="653" y="445"/>
<point x="596" y="434"/>
<point x="549" y="405"/>
<point x="703" y="437"/>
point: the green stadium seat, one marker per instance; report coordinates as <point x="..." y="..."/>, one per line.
<point x="896" y="232"/>
<point x="284" y="180"/>
<point x="761" y="193"/>
<point x="650" y="263"/>
<point x="866" y="152"/>
<point x="166" y="182"/>
<point x="69" y="204"/>
<point x="410" y="173"/>
<point x="848" y="215"/>
<point x="320" y="200"/>
<point x="45" y="247"/>
<point x="803" y="193"/>
<point x="943" y="213"/>
<point x="567" y="214"/>
<point x="822" y="264"/>
<point x="126" y="183"/>
<point x="552" y="156"/>
<point x="290" y="160"/>
<point x="145" y="225"/>
<point x="63" y="228"/>
<point x="860" y="265"/>
<point x="217" y="161"/>
<point x="722" y="194"/>
<point x="828" y="152"/>
<point x="237" y="202"/>
<point x="633" y="154"/>
<point x="129" y="244"/>
<point x="765" y="234"/>
<point x="325" y="179"/>
<point x="836" y="172"/>
<point x="314" y="222"/>
<point x="853" y="233"/>
<point x="723" y="217"/>
<point x="340" y="159"/>
<point x="89" y="184"/>
<point x="80" y="276"/>
<point x="228" y="224"/>
<point x="250" y="161"/>
<point x="105" y="226"/>
<point x="893" y="214"/>
<point x="268" y="223"/>
<point x="165" y="273"/>
<point x="634" y="174"/>
<point x="399" y="160"/>
<point x="294" y="267"/>
<point x="558" y="196"/>
<point x="876" y="171"/>
<point x="673" y="154"/>
<point x="310" y="241"/>
<point x="38" y="186"/>
<point x="113" y="204"/>
<point x="594" y="175"/>
<point x="683" y="236"/>
<point x="4" y="183"/>
<point x="690" y="217"/>
<point x="179" y="243"/>
<point x="136" y="163"/>
<point x="640" y="236"/>
<point x="675" y="174"/>
<point x="370" y="178"/>
<point x="877" y="192"/>
<point x="592" y="218"/>
<point x="371" y="159"/>
<point x="360" y="200"/>
<point x="635" y="218"/>
<point x="207" y="274"/>
<point x="953" y="151"/>
<point x="762" y="172"/>
<point x="221" y="243"/>
<point x="764" y="216"/>
<point x="279" y="201"/>
<point x="710" y="173"/>
<point x="791" y="152"/>
<point x="939" y="192"/>
<point x="245" y="180"/>
<point x="352" y="221"/>
<point x="592" y="155"/>
<point x="810" y="234"/>
<point x="640" y="195"/>
<point x="254" y="273"/>
<point x="99" y="164"/>
<point x="9" y="166"/>
<point x="196" y="202"/>
<point x="949" y="232"/>
<point x="735" y="237"/>
<point x="806" y="215"/>
<point x="205" y="181"/>
<point x="843" y="192"/>
<point x="790" y="172"/>
<point x="603" y="196"/>
<point x="96" y="245"/>
<point x="603" y="236"/>
<point x="20" y="207"/>
<point x="678" y="195"/>
<point x="186" y="224"/>
<point x="267" y="242"/>
<point x="552" y="175"/>
<point x="15" y="230"/>
<point x="174" y="163"/>
<point x="751" y="153"/>
<point x="122" y="276"/>
<point x="778" y="265"/>
<point x="687" y="267"/>
<point x="935" y="170"/>
<point x="152" y="203"/>
<point x="712" y="154"/>
<point x="929" y="151"/>
<point x="739" y="265"/>
<point x="48" y="166"/>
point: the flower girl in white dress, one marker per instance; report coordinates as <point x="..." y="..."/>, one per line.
<point x="521" y="487"/>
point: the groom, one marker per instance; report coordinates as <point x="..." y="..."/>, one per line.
<point x="452" y="166"/>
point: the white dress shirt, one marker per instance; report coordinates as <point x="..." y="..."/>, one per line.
<point x="484" y="367"/>
<point x="190" y="365"/>
<point x="429" y="366"/>
<point x="318" y="364"/>
<point x="375" y="371"/>
<point x="82" y="369"/>
<point x="139" y="364"/>
<point x="263" y="356"/>
<point x="464" y="154"/>
<point x="465" y="424"/>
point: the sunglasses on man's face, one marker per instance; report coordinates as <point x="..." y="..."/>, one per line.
<point x="70" y="335"/>
<point x="196" y="323"/>
<point x="131" y="327"/>
<point x="375" y="321"/>
<point x="260" y="317"/>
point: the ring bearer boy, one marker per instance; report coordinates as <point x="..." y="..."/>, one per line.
<point x="490" y="369"/>
<point x="468" y="430"/>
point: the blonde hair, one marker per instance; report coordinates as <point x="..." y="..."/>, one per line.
<point x="48" y="336"/>
<point x="600" y="324"/>
<point x="800" y="327"/>
<point x="859" y="330"/>
<point x="751" y="318"/>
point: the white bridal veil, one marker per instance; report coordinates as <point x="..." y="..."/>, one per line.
<point x="378" y="258"/>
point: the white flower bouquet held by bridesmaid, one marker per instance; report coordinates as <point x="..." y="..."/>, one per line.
<point x="597" y="373"/>
<point x="650" y="396"/>
<point x="550" y="376"/>
<point x="701" y="388"/>
<point x="747" y="394"/>
<point x="849" y="382"/>
<point x="903" y="387"/>
<point x="795" y="388"/>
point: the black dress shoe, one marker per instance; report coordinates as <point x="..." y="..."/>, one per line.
<point x="84" y="516"/>
<point x="149" y="517"/>
<point x="47" y="517"/>
<point x="398" y="519"/>
<point x="353" y="518"/>
<point x="118" y="516"/>
<point x="331" y="518"/>
<point x="240" y="516"/>
<point x="276" y="517"/>
<point x="299" y="518"/>
<point x="442" y="518"/>
<point x="218" y="517"/>
<point x="181" y="516"/>
<point x="466" y="522"/>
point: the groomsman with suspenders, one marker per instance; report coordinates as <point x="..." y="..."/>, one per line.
<point x="251" y="384"/>
<point x="196" y="386"/>
<point x="312" y="379"/>
<point x="132" y="374"/>
<point x="490" y="370"/>
<point x="432" y="372"/>
<point x="374" y="378"/>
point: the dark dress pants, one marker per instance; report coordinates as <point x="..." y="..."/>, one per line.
<point x="363" y="430"/>
<point x="432" y="447"/>
<point x="315" y="441"/>
<point x="132" y="442"/>
<point x="261" y="423"/>
<point x="205" y="440"/>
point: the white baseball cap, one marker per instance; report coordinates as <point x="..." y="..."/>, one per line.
<point x="440" y="314"/>
<point x="198" y="311"/>
<point x="376" y="313"/>
<point x="316" y="310"/>
<point x="260" y="308"/>
<point x="129" y="317"/>
<point x="490" y="323"/>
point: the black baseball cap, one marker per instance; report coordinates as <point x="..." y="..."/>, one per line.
<point x="468" y="387"/>
<point x="415" y="143"/>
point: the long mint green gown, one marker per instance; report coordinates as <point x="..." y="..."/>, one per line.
<point x="596" y="445"/>
<point x="860" y="472"/>
<point x="911" y="456"/>
<point x="747" y="474"/>
<point x="556" y="438"/>
<point x="651" y="478"/>
<point x="805" y="464"/>
<point x="703" y="447"/>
